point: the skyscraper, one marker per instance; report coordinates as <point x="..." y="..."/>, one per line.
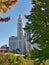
<point x="20" y="34"/>
<point x="20" y="42"/>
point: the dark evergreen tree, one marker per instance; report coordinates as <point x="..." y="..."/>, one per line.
<point x="38" y="25"/>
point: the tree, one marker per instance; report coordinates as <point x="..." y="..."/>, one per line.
<point x="38" y="25"/>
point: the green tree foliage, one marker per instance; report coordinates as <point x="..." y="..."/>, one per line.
<point x="21" y="61"/>
<point x="47" y="62"/>
<point x="18" y="51"/>
<point x="30" y="62"/>
<point x="12" y="58"/>
<point x="38" y="25"/>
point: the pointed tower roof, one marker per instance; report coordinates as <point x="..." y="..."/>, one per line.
<point x="20" y="16"/>
<point x="20" y="19"/>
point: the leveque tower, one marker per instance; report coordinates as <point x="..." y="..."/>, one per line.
<point x="20" y="42"/>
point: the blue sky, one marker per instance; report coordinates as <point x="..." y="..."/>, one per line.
<point x="9" y="28"/>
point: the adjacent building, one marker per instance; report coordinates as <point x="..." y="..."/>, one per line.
<point x="13" y="43"/>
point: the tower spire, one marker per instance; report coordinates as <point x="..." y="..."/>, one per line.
<point x="20" y="16"/>
<point x="20" y="19"/>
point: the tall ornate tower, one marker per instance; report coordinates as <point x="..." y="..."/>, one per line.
<point x="20" y="42"/>
<point x="20" y="34"/>
<point x="20" y="27"/>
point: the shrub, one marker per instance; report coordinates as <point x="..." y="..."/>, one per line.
<point x="47" y="62"/>
<point x="12" y="58"/>
<point x="21" y="61"/>
<point x="30" y="62"/>
<point x="4" y="59"/>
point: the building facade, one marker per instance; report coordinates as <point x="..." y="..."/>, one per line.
<point x="13" y="43"/>
<point x="20" y="42"/>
